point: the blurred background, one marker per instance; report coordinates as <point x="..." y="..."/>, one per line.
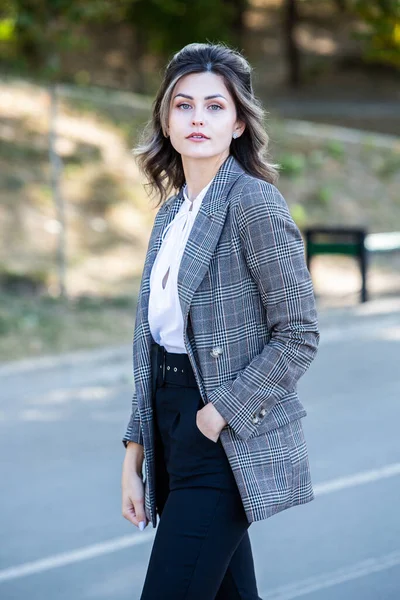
<point x="77" y="81"/>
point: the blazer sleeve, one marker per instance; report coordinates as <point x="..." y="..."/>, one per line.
<point x="274" y="252"/>
<point x="134" y="430"/>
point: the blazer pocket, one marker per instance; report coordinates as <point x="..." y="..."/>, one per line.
<point x="270" y="466"/>
<point x="298" y="452"/>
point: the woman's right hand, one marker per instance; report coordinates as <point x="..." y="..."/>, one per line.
<point x="133" y="490"/>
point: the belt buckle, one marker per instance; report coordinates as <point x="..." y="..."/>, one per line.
<point x="163" y="362"/>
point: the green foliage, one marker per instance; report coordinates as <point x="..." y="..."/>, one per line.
<point x="22" y="151"/>
<point x="292" y="165"/>
<point x="35" y="34"/>
<point x="382" y="34"/>
<point x="389" y="165"/>
<point x="16" y="282"/>
<point x="31" y="326"/>
<point x="375" y="22"/>
<point x="323" y="195"/>
<point x="335" y="149"/>
<point x="299" y="215"/>
<point x="7" y="27"/>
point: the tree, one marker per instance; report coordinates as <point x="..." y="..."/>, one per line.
<point x="382" y="35"/>
<point x="290" y="22"/>
<point x="33" y="34"/>
<point x="162" y="27"/>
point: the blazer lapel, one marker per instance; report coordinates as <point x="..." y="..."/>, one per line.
<point x="196" y="257"/>
<point x="205" y="233"/>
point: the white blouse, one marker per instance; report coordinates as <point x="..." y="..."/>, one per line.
<point x="165" y="313"/>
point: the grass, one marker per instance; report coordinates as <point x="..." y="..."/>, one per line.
<point x="35" y="326"/>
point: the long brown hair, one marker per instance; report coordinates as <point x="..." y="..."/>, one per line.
<point x="157" y="158"/>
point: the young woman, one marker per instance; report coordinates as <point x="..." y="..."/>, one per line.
<point x="225" y="326"/>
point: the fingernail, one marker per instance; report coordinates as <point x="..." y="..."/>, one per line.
<point x="142" y="525"/>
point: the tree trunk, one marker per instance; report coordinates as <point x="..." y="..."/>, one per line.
<point x="290" y="21"/>
<point x="139" y="51"/>
<point x="56" y="166"/>
<point x="238" y="28"/>
<point x="341" y="5"/>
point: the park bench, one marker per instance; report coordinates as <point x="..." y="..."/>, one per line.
<point x="350" y="241"/>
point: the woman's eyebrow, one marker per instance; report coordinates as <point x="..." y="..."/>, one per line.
<point x="205" y="97"/>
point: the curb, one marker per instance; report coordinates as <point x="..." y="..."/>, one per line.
<point x="70" y="359"/>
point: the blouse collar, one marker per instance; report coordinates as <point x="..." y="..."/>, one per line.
<point x="199" y="196"/>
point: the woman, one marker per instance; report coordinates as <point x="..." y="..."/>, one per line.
<point x="225" y="326"/>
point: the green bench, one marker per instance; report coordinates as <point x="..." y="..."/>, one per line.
<point x="350" y="241"/>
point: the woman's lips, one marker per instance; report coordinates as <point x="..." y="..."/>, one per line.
<point x="197" y="139"/>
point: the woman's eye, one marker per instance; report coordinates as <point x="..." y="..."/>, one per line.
<point x="215" y="107"/>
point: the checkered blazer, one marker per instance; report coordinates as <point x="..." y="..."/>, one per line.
<point x="250" y="332"/>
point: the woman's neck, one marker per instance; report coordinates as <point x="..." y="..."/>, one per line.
<point x="199" y="172"/>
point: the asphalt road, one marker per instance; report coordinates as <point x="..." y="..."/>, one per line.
<point x="61" y="422"/>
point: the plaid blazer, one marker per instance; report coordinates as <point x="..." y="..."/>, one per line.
<point x="250" y="330"/>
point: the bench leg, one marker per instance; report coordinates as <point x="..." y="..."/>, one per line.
<point x="364" y="269"/>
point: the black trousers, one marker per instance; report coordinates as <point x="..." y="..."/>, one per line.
<point x="201" y="550"/>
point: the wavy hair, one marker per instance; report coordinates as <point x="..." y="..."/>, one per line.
<point x="158" y="160"/>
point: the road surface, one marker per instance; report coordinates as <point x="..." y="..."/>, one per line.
<point x="61" y="422"/>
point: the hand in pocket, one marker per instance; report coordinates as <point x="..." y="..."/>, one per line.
<point x="208" y="424"/>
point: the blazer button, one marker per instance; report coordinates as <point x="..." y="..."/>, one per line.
<point x="255" y="419"/>
<point x="215" y="352"/>
<point x="262" y="413"/>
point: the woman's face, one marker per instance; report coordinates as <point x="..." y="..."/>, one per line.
<point x="201" y="104"/>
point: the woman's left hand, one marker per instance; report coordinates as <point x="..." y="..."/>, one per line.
<point x="210" y="422"/>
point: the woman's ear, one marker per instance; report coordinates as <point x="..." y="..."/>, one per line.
<point x="240" y="126"/>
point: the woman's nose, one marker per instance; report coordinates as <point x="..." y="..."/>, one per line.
<point x="198" y="122"/>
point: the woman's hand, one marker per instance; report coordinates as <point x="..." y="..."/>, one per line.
<point x="210" y="422"/>
<point x="133" y="488"/>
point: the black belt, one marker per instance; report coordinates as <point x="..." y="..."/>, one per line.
<point x="171" y="367"/>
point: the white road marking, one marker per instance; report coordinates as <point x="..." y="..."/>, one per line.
<point x="327" y="580"/>
<point x="67" y="558"/>
<point x="342" y="483"/>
